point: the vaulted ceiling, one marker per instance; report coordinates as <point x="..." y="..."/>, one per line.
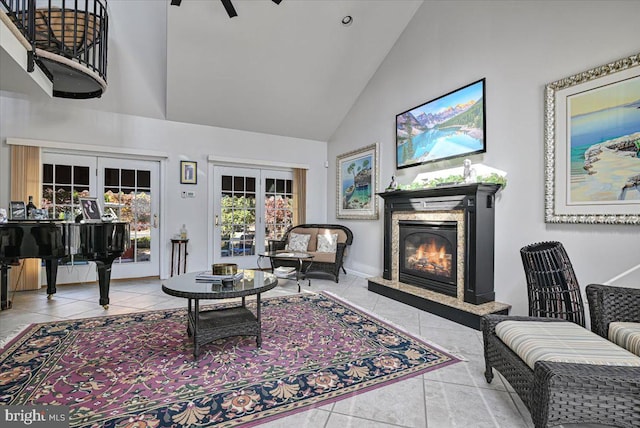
<point x="291" y="69"/>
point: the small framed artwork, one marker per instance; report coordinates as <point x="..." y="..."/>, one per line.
<point x="592" y="145"/>
<point x="90" y="209"/>
<point x="188" y="172"/>
<point x="17" y="210"/>
<point x="357" y="181"/>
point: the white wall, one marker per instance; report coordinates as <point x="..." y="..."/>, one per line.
<point x="519" y="46"/>
<point x="42" y="121"/>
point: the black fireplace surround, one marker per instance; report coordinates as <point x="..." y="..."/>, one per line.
<point x="427" y="255"/>
<point x="477" y="202"/>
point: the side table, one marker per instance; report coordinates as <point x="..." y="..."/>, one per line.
<point x="302" y="262"/>
<point x="181" y="246"/>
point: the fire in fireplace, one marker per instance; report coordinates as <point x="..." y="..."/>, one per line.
<point x="431" y="257"/>
<point x="428" y="255"/>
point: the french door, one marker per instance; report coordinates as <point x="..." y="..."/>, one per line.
<point x="250" y="206"/>
<point x="129" y="189"/>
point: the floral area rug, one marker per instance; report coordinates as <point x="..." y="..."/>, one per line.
<point x="139" y="370"/>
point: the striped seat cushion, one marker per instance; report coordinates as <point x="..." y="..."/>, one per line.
<point x="626" y="334"/>
<point x="564" y="342"/>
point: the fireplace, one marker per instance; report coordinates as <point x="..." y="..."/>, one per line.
<point x="471" y="208"/>
<point x="428" y="255"/>
<point x="438" y="251"/>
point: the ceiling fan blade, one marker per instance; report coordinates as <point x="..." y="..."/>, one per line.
<point x="231" y="11"/>
<point x="176" y="2"/>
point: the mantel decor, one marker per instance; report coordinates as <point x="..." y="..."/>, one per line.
<point x="592" y="145"/>
<point x="356" y="182"/>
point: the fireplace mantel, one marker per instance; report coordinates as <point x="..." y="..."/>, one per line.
<point x="473" y="206"/>
<point x="477" y="202"/>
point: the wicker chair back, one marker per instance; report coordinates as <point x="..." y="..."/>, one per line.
<point x="551" y="283"/>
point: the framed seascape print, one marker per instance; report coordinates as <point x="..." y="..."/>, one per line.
<point x="357" y="181"/>
<point x="592" y="145"/>
<point x="447" y="127"/>
<point x="90" y="209"/>
<point x="188" y="172"/>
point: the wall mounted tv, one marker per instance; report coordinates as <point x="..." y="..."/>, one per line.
<point x="449" y="126"/>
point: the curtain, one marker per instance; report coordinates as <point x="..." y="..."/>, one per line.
<point x="26" y="180"/>
<point x="299" y="196"/>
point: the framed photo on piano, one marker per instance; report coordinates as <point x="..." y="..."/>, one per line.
<point x="90" y="209"/>
<point x="18" y="211"/>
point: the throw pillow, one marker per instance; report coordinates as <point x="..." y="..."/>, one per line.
<point x="328" y="243"/>
<point x="298" y="242"/>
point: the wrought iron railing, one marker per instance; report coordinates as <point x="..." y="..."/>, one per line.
<point x="76" y="30"/>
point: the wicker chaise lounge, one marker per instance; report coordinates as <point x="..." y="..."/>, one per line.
<point x="561" y="392"/>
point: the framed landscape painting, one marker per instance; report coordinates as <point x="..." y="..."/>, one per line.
<point x="357" y="181"/>
<point x="592" y="145"/>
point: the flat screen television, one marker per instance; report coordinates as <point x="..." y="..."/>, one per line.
<point x="446" y="127"/>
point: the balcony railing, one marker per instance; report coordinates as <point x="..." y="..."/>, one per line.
<point x="69" y="40"/>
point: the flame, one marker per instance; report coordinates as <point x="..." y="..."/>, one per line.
<point x="430" y="257"/>
<point x="430" y="251"/>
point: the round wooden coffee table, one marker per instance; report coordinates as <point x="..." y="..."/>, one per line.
<point x="207" y="326"/>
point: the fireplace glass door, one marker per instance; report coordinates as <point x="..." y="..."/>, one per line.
<point x="428" y="253"/>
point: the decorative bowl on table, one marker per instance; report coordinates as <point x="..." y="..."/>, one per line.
<point x="224" y="269"/>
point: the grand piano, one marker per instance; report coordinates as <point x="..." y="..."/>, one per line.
<point x="56" y="241"/>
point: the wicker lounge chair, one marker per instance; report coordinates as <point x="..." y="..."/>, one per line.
<point x="562" y="393"/>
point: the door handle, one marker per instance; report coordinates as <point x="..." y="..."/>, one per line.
<point x="155" y="221"/>
<point x="216" y="222"/>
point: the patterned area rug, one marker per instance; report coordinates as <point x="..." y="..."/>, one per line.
<point x="138" y="369"/>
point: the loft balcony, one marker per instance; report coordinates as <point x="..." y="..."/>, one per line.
<point x="66" y="39"/>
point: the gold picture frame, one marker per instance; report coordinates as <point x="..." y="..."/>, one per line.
<point x="188" y="172"/>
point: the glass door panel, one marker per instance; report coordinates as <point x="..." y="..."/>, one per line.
<point x="62" y="184"/>
<point x="278" y="204"/>
<point x="236" y="215"/>
<point x="129" y="194"/>
<point x="65" y="178"/>
<point x="250" y="206"/>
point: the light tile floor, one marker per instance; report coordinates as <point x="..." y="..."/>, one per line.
<point x="454" y="396"/>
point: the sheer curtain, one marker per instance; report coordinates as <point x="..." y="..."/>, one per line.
<point x="26" y="180"/>
<point x="299" y="196"/>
